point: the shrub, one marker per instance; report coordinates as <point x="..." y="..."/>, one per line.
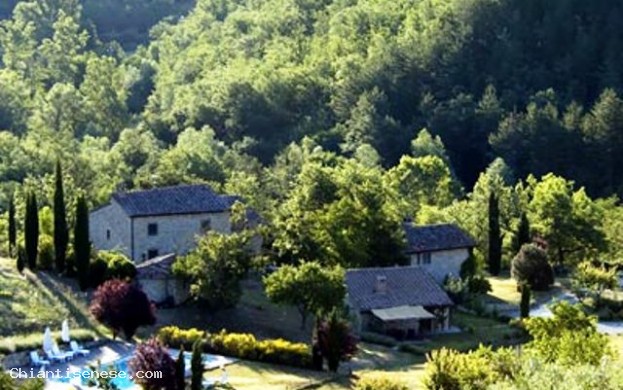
<point x="240" y="345"/>
<point x="180" y="338"/>
<point x="45" y="257"/>
<point x="97" y="272"/>
<point x="245" y="346"/>
<point x="455" y="287"/>
<point x="335" y="340"/>
<point x="449" y="369"/>
<point x="8" y="383"/>
<point x="107" y="265"/>
<point x="379" y="383"/>
<point x="530" y="266"/>
<point x="122" y="307"/>
<point x="151" y="356"/>
<point x="478" y="285"/>
<point x="569" y="337"/>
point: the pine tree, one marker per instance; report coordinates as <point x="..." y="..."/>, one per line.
<point x="82" y="246"/>
<point x="523" y="235"/>
<point x="495" y="239"/>
<point x="31" y="230"/>
<point x="524" y="305"/>
<point x="12" y="227"/>
<point x="196" y="367"/>
<point x="61" y="232"/>
<point x="180" y="370"/>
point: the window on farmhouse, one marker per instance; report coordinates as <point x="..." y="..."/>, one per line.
<point x="152" y="229"/>
<point x="206" y="225"/>
<point x="152" y="253"/>
<point x="423" y="258"/>
<point x="108" y="234"/>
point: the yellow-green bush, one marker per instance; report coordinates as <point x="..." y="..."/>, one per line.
<point x="176" y="337"/>
<point x="240" y="345"/>
<point x="45" y="257"/>
<point x="379" y="383"/>
<point x="237" y="344"/>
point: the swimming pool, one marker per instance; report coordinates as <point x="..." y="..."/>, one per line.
<point x="121" y="365"/>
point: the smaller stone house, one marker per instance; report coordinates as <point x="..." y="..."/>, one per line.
<point x="440" y="249"/>
<point x="405" y="302"/>
<point x="155" y="277"/>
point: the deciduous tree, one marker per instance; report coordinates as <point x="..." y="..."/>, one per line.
<point x="123" y="307"/>
<point x="312" y="288"/>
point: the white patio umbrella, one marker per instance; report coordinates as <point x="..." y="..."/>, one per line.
<point x="48" y="343"/>
<point x="65" y="332"/>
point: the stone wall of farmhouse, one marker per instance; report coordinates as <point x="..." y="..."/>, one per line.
<point x="176" y="233"/>
<point x="160" y="290"/>
<point x="109" y="229"/>
<point x="443" y="263"/>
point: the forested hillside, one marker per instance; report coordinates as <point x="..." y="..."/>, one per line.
<point x="125" y="21"/>
<point x="221" y="94"/>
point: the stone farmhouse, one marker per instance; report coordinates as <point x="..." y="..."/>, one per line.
<point x="440" y="249"/>
<point x="150" y="223"/>
<point x="404" y="302"/>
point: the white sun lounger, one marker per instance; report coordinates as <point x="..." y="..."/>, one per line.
<point x="37" y="360"/>
<point x="57" y="357"/>
<point x="56" y="350"/>
<point x="76" y="349"/>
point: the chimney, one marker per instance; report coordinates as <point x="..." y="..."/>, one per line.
<point x="381" y="284"/>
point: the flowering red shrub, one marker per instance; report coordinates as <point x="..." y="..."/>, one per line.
<point x="335" y="340"/>
<point x="122" y="307"/>
<point x="151" y="357"/>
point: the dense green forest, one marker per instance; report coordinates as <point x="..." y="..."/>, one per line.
<point x="125" y="21"/>
<point x="313" y="110"/>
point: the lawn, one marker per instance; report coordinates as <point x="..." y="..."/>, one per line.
<point x="504" y="292"/>
<point x="253" y="314"/>
<point x="371" y="360"/>
<point x="29" y="303"/>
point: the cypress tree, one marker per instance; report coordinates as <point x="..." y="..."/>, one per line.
<point x="180" y="370"/>
<point x="523" y="235"/>
<point x="196" y="367"/>
<point x="12" y="227"/>
<point x="31" y="230"/>
<point x="82" y="246"/>
<point x="21" y="259"/>
<point x="495" y="239"/>
<point x="61" y="233"/>
<point x="524" y="305"/>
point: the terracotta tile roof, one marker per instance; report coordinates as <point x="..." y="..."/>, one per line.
<point x="430" y="238"/>
<point x="406" y="286"/>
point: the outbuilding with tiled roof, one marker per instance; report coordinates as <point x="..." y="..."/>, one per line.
<point x="400" y="301"/>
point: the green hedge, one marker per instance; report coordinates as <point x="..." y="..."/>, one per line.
<point x="377" y="338"/>
<point x="240" y="345"/>
<point x="380" y="383"/>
